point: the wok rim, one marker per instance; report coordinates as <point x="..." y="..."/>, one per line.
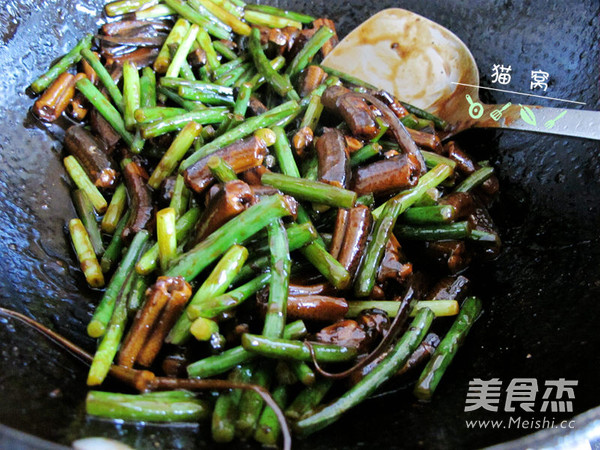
<point x="587" y="430"/>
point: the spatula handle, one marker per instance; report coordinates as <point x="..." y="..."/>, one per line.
<point x="561" y="121"/>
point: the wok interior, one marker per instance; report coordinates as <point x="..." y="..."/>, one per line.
<point x="540" y="295"/>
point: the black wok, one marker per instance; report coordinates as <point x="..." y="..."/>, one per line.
<point x="541" y="295"/>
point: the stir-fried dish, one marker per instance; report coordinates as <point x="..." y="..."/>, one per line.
<point x="262" y="226"/>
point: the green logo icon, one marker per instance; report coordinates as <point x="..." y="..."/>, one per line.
<point x="552" y="122"/>
<point x="527" y="115"/>
<point x="497" y="113"/>
<point x="475" y="108"/>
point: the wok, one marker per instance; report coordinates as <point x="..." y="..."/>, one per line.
<point x="541" y="295"/>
